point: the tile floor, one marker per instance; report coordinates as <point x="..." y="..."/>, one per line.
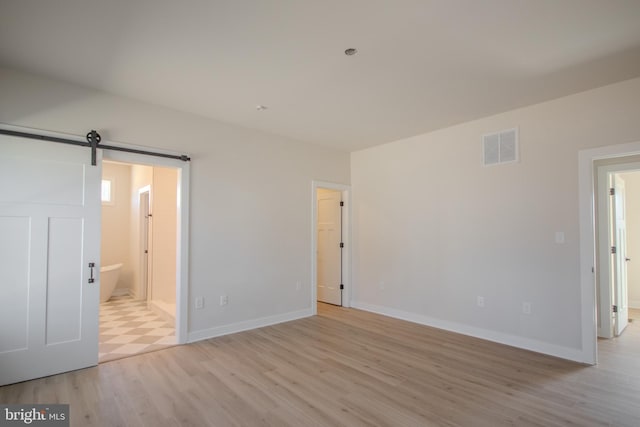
<point x="127" y="328"/>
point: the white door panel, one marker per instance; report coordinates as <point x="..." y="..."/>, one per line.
<point x="64" y="280"/>
<point x="50" y="228"/>
<point x="14" y="279"/>
<point x="49" y="182"/>
<point x="329" y="254"/>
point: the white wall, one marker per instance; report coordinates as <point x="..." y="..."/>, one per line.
<point x="250" y="194"/>
<point x="433" y="229"/>
<point x="165" y="223"/>
<point x="632" y="186"/>
<point x="115" y="223"/>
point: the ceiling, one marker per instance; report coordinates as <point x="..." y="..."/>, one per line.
<point x="421" y="64"/>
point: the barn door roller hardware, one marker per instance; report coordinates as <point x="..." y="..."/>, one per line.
<point x="93" y="139"/>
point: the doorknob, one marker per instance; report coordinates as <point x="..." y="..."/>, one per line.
<point x="627" y="259"/>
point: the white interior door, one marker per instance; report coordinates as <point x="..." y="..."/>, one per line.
<point x="329" y="253"/>
<point x="620" y="258"/>
<point x="50" y="232"/>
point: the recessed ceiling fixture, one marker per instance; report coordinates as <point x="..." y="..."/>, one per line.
<point x="261" y="107"/>
<point x="351" y="51"/>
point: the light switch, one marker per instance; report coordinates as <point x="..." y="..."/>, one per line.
<point x="559" y="237"/>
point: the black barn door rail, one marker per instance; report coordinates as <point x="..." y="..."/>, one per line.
<point x="93" y="141"/>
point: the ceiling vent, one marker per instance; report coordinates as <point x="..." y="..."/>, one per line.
<point x="500" y="147"/>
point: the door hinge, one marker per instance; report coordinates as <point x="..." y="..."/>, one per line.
<point x="341" y="286"/>
<point x="341" y="245"/>
<point x="341" y="203"/>
<point x="615" y="308"/>
<point x="613" y="249"/>
<point x="612" y="191"/>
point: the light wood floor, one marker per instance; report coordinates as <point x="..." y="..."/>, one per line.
<point x="347" y="367"/>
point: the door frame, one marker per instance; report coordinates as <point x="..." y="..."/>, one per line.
<point x="145" y="267"/>
<point x="345" y="190"/>
<point x="588" y="232"/>
<point x="182" y="241"/>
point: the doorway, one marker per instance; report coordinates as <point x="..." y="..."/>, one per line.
<point x="595" y="252"/>
<point x="139" y="263"/>
<point x="612" y="215"/>
<point x="617" y="213"/>
<point x="331" y="247"/>
<point x="178" y="258"/>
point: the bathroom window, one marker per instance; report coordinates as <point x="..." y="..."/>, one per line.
<point x="107" y="192"/>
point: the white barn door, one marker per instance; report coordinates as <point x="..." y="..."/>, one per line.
<point x="49" y="233"/>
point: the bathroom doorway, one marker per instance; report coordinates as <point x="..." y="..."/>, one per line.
<point x="140" y="231"/>
<point x="331" y="230"/>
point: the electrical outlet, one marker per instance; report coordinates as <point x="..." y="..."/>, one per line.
<point x="199" y="303"/>
<point x="480" y="301"/>
<point x="526" y="308"/>
<point x="224" y="300"/>
<point x="298" y="285"/>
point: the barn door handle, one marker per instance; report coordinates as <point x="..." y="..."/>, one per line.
<point x="91" y="267"/>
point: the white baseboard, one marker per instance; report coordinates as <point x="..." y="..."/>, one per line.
<point x="634" y="303"/>
<point x="247" y="325"/>
<point x="573" y="354"/>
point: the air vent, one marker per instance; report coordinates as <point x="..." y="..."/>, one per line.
<point x="500" y="147"/>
